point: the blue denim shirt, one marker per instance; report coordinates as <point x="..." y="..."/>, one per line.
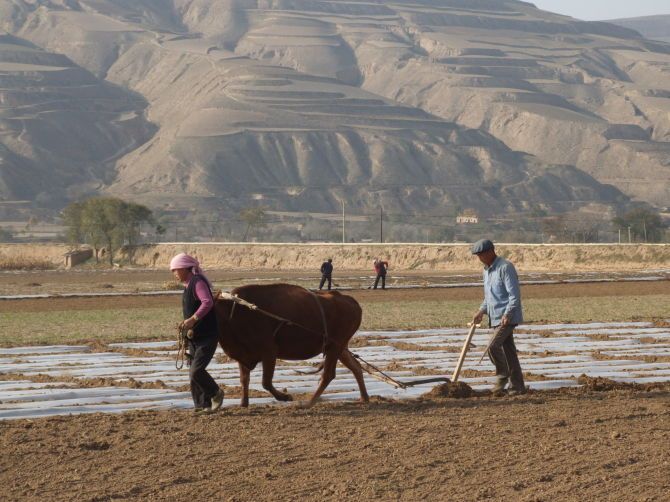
<point x="502" y="294"/>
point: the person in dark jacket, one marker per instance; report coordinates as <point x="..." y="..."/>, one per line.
<point x="380" y="269"/>
<point x="326" y="273"/>
<point x="199" y="316"/>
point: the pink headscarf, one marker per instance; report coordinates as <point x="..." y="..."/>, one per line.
<point x="182" y="260"/>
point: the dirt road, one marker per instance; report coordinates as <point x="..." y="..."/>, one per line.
<point x="563" y="445"/>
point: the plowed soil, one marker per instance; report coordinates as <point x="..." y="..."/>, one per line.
<point x="563" y="445"/>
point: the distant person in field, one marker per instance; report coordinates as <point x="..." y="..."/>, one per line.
<point x="380" y="270"/>
<point x="200" y="316"/>
<point x="326" y="273"/>
<point x="502" y="304"/>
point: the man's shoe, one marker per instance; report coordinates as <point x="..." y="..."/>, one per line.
<point x="217" y="400"/>
<point x="499" y="386"/>
<point x="202" y="411"/>
<point x="517" y="392"/>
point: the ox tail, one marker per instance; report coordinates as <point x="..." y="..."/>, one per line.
<point x="314" y="371"/>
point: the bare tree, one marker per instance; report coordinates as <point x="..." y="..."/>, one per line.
<point x="254" y="217"/>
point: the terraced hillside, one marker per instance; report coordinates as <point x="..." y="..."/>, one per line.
<point x="59" y="125"/>
<point x="301" y="104"/>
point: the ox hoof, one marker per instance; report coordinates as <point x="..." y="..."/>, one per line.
<point x="364" y="400"/>
<point x="284" y="397"/>
<point x="244" y="403"/>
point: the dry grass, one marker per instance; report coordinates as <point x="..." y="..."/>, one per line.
<point x="449" y="313"/>
<point x="22" y="263"/>
<point x="172" y="286"/>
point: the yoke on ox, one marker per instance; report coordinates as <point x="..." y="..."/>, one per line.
<point x="301" y="325"/>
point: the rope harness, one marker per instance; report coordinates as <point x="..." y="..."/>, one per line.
<point x="282" y="320"/>
<point x="183" y="356"/>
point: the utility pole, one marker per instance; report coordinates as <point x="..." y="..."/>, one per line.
<point x="629" y="239"/>
<point x="619" y="236"/>
<point x="343" y="236"/>
<point x="381" y="225"/>
<point x="644" y="225"/>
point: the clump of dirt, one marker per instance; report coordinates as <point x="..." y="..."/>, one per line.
<point x="357" y="342"/>
<point x="222" y="359"/>
<point x="458" y="390"/>
<point x="601" y="337"/>
<point x="94" y="446"/>
<point x="89" y="382"/>
<point x="416" y="370"/>
<point x="600" y="384"/>
<point x="535" y="377"/>
<point x="412" y="347"/>
<point x="651" y="340"/>
<point x="474" y="373"/>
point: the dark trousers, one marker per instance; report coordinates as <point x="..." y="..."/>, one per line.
<point x="383" y="278"/>
<point x="325" y="278"/>
<point x="203" y="386"/>
<point x="503" y="355"/>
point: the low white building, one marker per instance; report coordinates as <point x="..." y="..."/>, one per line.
<point x="467" y="219"/>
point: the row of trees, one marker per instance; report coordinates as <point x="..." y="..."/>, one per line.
<point x="644" y="225"/>
<point x="111" y="223"/>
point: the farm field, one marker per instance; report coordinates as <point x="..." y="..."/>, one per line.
<point x="125" y="281"/>
<point x="561" y="445"/>
<point x="596" y="421"/>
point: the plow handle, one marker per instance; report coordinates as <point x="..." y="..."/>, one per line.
<point x="464" y="351"/>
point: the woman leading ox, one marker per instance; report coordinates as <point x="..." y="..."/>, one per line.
<point x="199" y="316"/>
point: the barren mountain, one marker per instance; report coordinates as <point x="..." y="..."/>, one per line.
<point x="652" y="27"/>
<point x="418" y="104"/>
<point x="59" y="124"/>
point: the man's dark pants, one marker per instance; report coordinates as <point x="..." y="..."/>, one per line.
<point x="503" y="355"/>
<point x="325" y="278"/>
<point x="383" y="278"/>
<point x="203" y="386"/>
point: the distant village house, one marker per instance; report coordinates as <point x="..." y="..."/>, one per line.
<point x="467" y="218"/>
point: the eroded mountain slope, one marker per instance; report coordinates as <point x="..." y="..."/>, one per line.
<point x="305" y="102"/>
<point x="60" y="127"/>
<point x="652" y="27"/>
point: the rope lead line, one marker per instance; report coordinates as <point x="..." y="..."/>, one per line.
<point x="182" y="344"/>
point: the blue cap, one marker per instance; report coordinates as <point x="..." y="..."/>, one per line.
<point x="482" y="246"/>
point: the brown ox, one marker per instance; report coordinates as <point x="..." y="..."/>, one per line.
<point x="250" y="337"/>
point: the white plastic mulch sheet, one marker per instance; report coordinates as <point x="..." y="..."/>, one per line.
<point x="556" y="353"/>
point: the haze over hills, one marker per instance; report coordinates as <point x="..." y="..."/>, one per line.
<point x="652" y="27"/>
<point x="300" y="104"/>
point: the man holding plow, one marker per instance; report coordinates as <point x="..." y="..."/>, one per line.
<point x="502" y="304"/>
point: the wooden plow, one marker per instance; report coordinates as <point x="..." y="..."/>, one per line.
<point x="380" y="375"/>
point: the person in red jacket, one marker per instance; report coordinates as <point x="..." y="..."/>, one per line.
<point x="380" y="269"/>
